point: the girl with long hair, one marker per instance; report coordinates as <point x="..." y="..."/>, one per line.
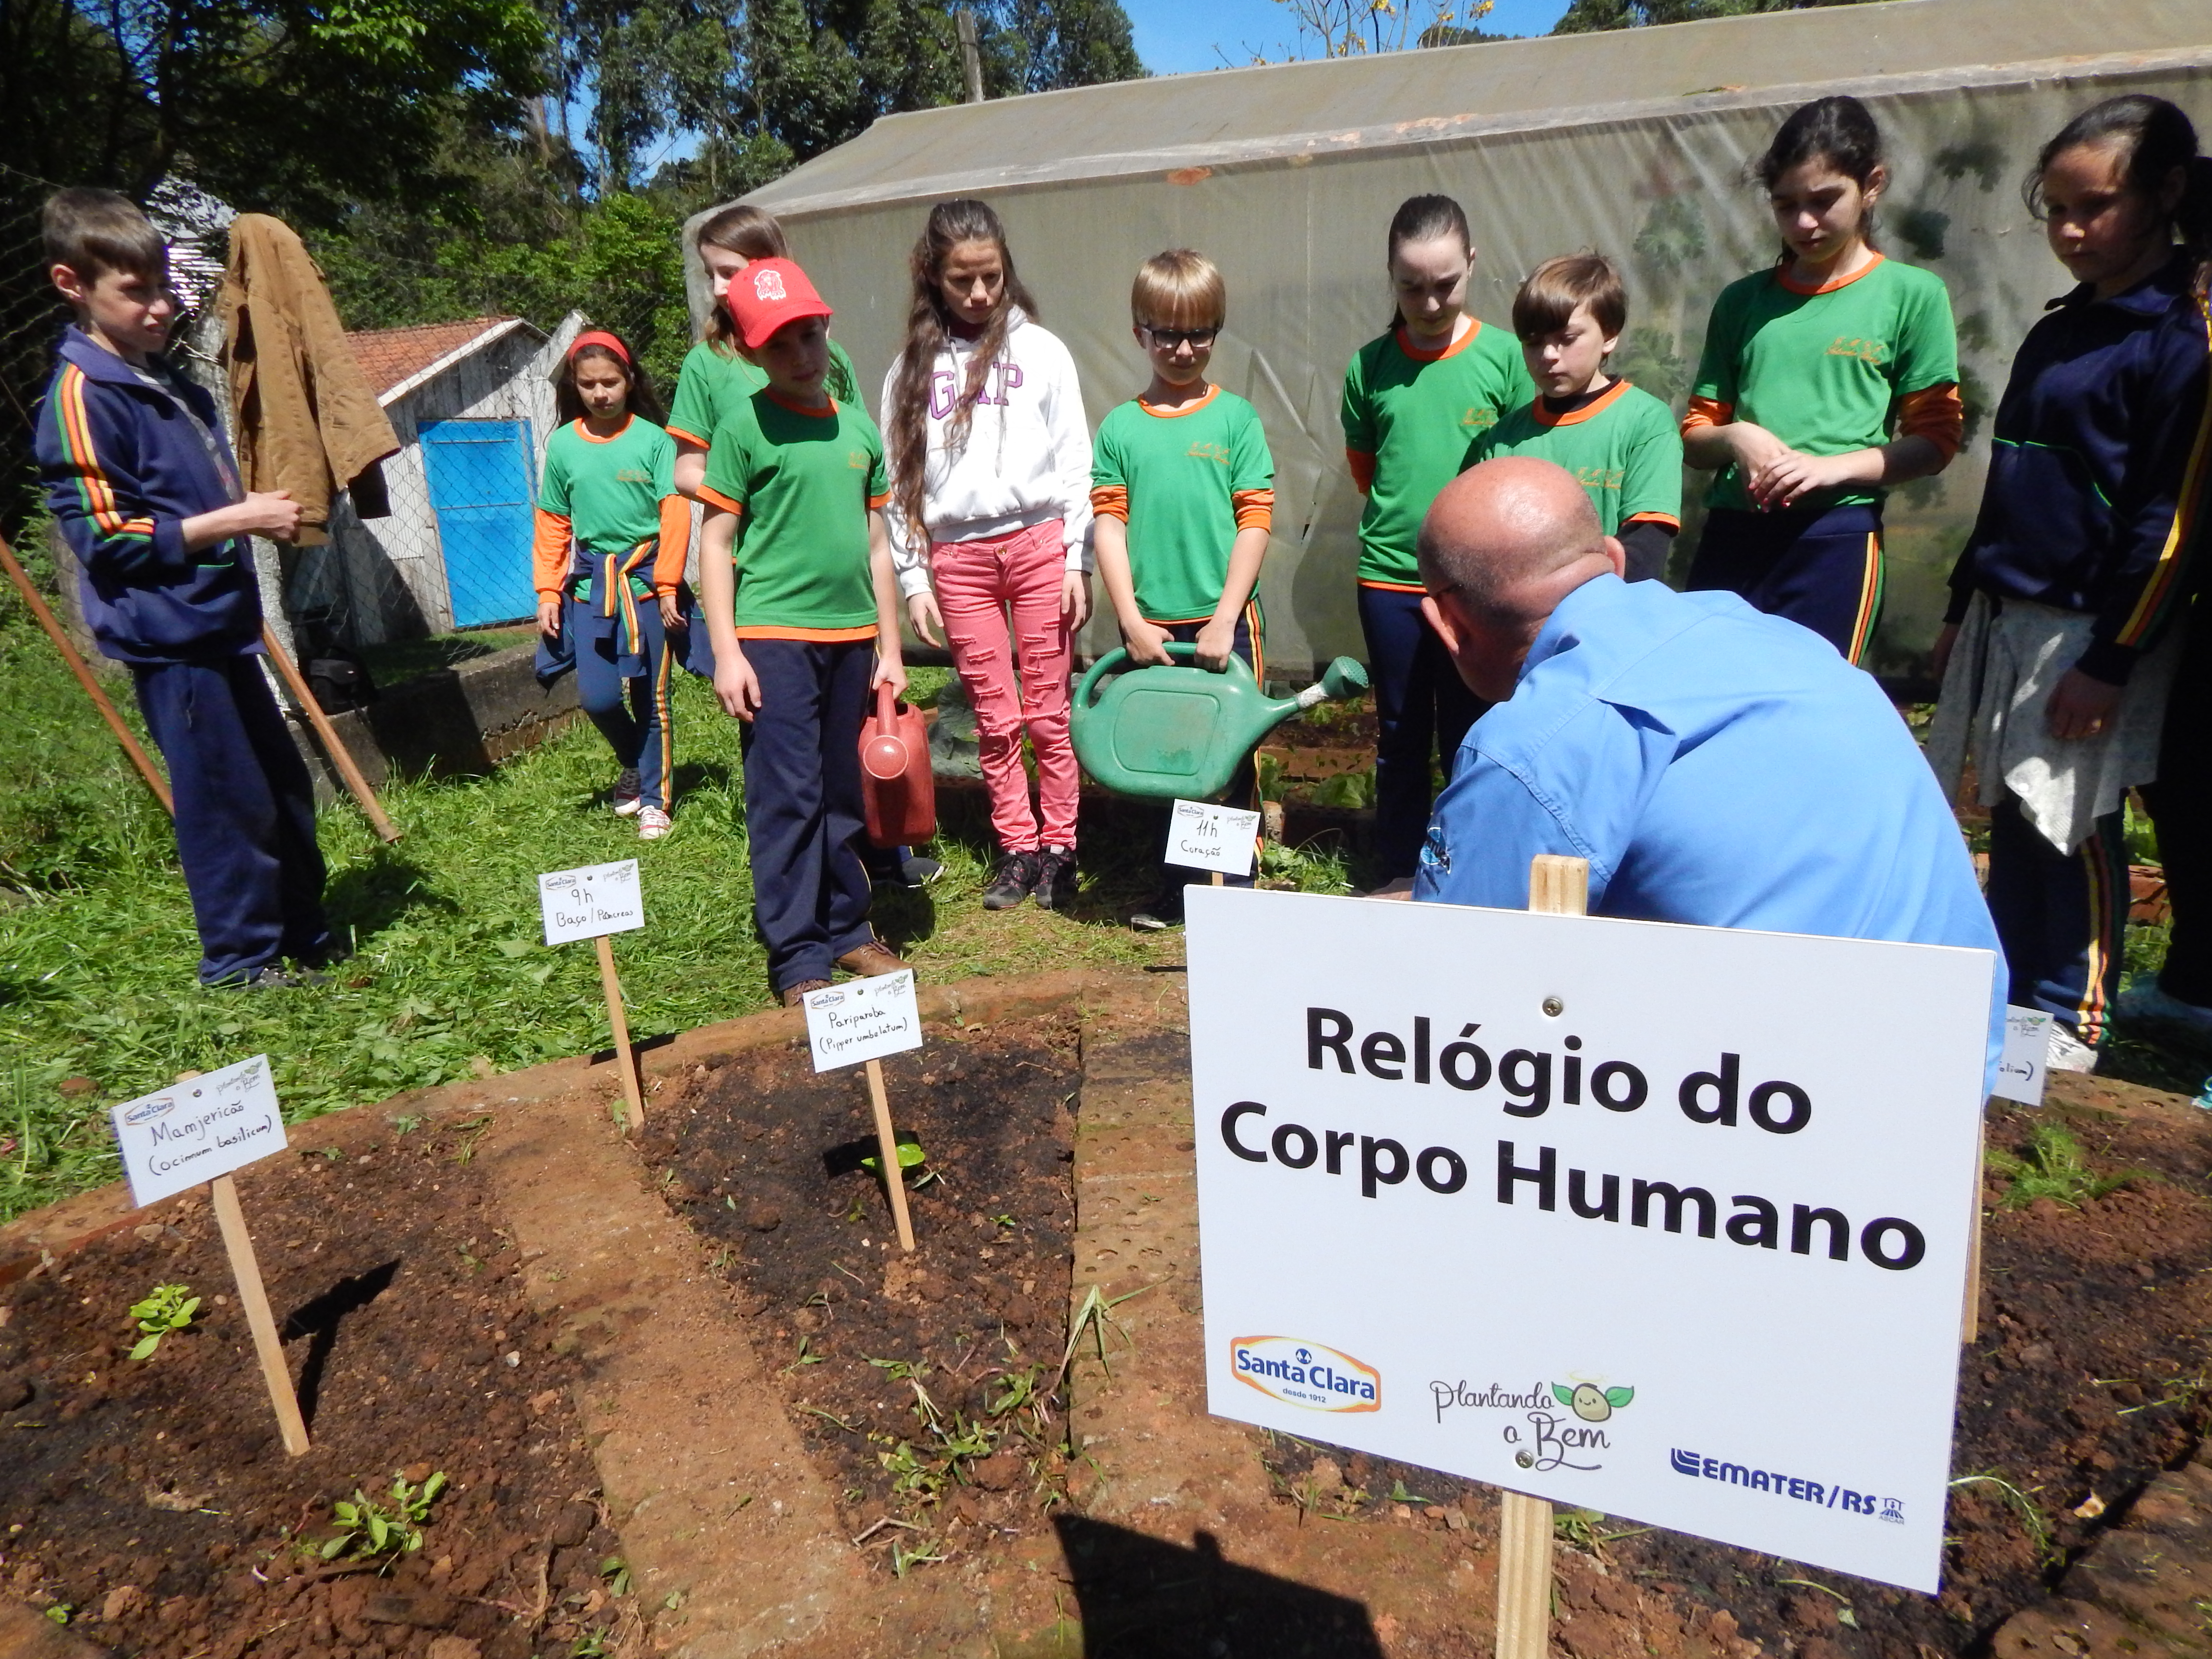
<point x="1806" y="366"/>
<point x="612" y="532"/>
<point x="990" y="468"/>
<point x="1415" y="399"/>
<point x="2059" y="646"/>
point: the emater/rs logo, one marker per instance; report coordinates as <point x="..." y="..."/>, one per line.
<point x="1305" y="1374"/>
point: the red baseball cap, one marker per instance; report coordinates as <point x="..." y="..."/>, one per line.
<point x="768" y="294"/>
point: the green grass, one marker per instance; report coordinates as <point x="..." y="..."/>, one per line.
<point x="450" y="977"/>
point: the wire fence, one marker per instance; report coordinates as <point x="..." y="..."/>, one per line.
<point x="32" y="318"/>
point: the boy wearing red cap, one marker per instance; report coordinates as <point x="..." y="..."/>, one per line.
<point x="796" y="583"/>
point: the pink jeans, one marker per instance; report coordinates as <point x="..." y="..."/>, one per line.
<point x="978" y="583"/>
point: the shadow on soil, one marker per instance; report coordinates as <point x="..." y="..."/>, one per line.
<point x="319" y="1320"/>
<point x="1143" y="1598"/>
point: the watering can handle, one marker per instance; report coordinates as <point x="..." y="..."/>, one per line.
<point x="886" y="711"/>
<point x="1114" y="660"/>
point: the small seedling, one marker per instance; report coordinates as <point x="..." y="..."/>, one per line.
<point x="910" y="1156"/>
<point x="616" y="1571"/>
<point x="170" y="1308"/>
<point x="2031" y="1517"/>
<point x="902" y="1558"/>
<point x="406" y="1126"/>
<point x="806" y="1357"/>
<point x="1400" y="1495"/>
<point x="366" y="1529"/>
<point x="60" y="1611"/>
<point x="1006" y="1221"/>
<point x="591" y="1644"/>
<point x="2054" y="1168"/>
<point x="471" y="1133"/>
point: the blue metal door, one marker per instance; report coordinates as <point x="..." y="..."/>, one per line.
<point x="480" y="489"/>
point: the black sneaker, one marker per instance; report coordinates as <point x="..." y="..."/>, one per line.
<point x="1055" y="886"/>
<point x="272" y="978"/>
<point x="1016" y="879"/>
<point x="916" y="871"/>
<point x="1163" y="913"/>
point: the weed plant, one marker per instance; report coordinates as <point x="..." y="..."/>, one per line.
<point x="2052" y="1166"/>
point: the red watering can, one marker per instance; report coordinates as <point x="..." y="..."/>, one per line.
<point x="897" y="788"/>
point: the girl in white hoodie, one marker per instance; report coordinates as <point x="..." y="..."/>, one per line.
<point x="990" y="464"/>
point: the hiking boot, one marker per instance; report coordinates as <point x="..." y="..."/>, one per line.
<point x="866" y="961"/>
<point x="1055" y="882"/>
<point x="630" y="792"/>
<point x="1014" y="881"/>
<point x="652" y="822"/>
<point x="798" y="990"/>
<point x="1163" y="912"/>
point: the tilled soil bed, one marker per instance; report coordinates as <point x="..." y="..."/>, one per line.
<point x="923" y="1383"/>
<point x="2089" y="1378"/>
<point x="152" y="1501"/>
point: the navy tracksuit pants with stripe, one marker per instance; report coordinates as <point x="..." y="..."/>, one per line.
<point x="805" y="821"/>
<point x="1421" y="707"/>
<point x="246" y="814"/>
<point x="1820" y="566"/>
<point x="2061" y="918"/>
<point x="631" y="713"/>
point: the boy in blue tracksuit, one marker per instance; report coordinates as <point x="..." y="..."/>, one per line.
<point x="144" y="488"/>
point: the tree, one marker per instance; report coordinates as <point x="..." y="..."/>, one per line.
<point x="1351" y="28"/>
<point x="1589" y="17"/>
<point x="1054" y="44"/>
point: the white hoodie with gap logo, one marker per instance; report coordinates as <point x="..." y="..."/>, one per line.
<point x="1026" y="457"/>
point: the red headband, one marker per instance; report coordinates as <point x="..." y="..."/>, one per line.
<point x="598" y="337"/>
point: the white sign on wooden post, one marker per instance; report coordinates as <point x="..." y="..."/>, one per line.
<point x="591" y="902"/>
<point x="192" y="1132"/>
<point x="200" y="1129"/>
<point x="860" y="1022"/>
<point x="863" y="1019"/>
<point x="1625" y="1216"/>
<point x="2026" y="1052"/>
<point x="1202" y="836"/>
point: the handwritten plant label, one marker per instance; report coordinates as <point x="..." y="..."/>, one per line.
<point x="603" y="898"/>
<point x="863" y="1019"/>
<point x="191" y="1132"/>
<point x="1204" y="836"/>
<point x="2027" y="1048"/>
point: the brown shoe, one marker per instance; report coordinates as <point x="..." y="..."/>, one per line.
<point x="795" y="992"/>
<point x="866" y="961"/>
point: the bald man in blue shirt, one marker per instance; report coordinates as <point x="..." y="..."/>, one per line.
<point x="1716" y="766"/>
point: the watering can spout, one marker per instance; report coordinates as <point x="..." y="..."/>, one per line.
<point x="1179" y="731"/>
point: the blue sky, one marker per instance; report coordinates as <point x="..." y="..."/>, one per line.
<point x="1175" y="36"/>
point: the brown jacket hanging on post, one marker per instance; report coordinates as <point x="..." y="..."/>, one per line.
<point x="304" y="417"/>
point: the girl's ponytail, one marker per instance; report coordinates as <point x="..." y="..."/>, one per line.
<point x="929" y="324"/>
<point x="2156" y="140"/>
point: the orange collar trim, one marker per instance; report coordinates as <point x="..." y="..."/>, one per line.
<point x="1159" y="414"/>
<point x="1781" y="276"/>
<point x="1420" y="355"/>
<point x="782" y="402"/>
<point x="587" y="435"/>
<point x="1589" y="412"/>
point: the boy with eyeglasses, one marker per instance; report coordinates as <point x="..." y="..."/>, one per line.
<point x="1183" y="489"/>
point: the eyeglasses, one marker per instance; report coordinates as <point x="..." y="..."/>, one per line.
<point x="1197" y="339"/>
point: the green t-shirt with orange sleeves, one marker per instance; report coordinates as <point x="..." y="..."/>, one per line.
<point x="802" y="483"/>
<point x="1415" y="413"/>
<point x="1623" y="446"/>
<point x="1185" y="480"/>
<point x="1824" y="370"/>
<point x="712" y="381"/>
<point x="608" y="488"/>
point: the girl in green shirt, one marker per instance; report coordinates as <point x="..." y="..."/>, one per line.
<point x="1414" y="398"/>
<point x="1809" y="367"/>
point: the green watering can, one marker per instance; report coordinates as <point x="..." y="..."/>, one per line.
<point x="1175" y="732"/>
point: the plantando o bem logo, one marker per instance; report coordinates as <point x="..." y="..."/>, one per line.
<point x="1305" y="1374"/>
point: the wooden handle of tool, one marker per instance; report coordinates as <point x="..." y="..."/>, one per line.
<point x="77" y="667"/>
<point x="332" y="745"/>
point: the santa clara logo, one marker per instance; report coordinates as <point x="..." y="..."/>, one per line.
<point x="767" y="285"/>
<point x="1305" y="1374"/>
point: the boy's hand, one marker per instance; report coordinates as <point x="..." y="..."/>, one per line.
<point x="1215" y="641"/>
<point x="271" y="513"/>
<point x="1146" y="643"/>
<point x="736" y="686"/>
<point x="672" y="614"/>
<point x="921" y="611"/>
<point x="890" y="671"/>
<point x="549" y="616"/>
<point x="1075" y="599"/>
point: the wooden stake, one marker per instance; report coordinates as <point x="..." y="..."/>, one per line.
<point x="624" y="1058"/>
<point x="887" y="1148"/>
<point x="55" y="632"/>
<point x="327" y="735"/>
<point x="255" y="1300"/>
<point x="1970" y="1327"/>
<point x="1558" y="886"/>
